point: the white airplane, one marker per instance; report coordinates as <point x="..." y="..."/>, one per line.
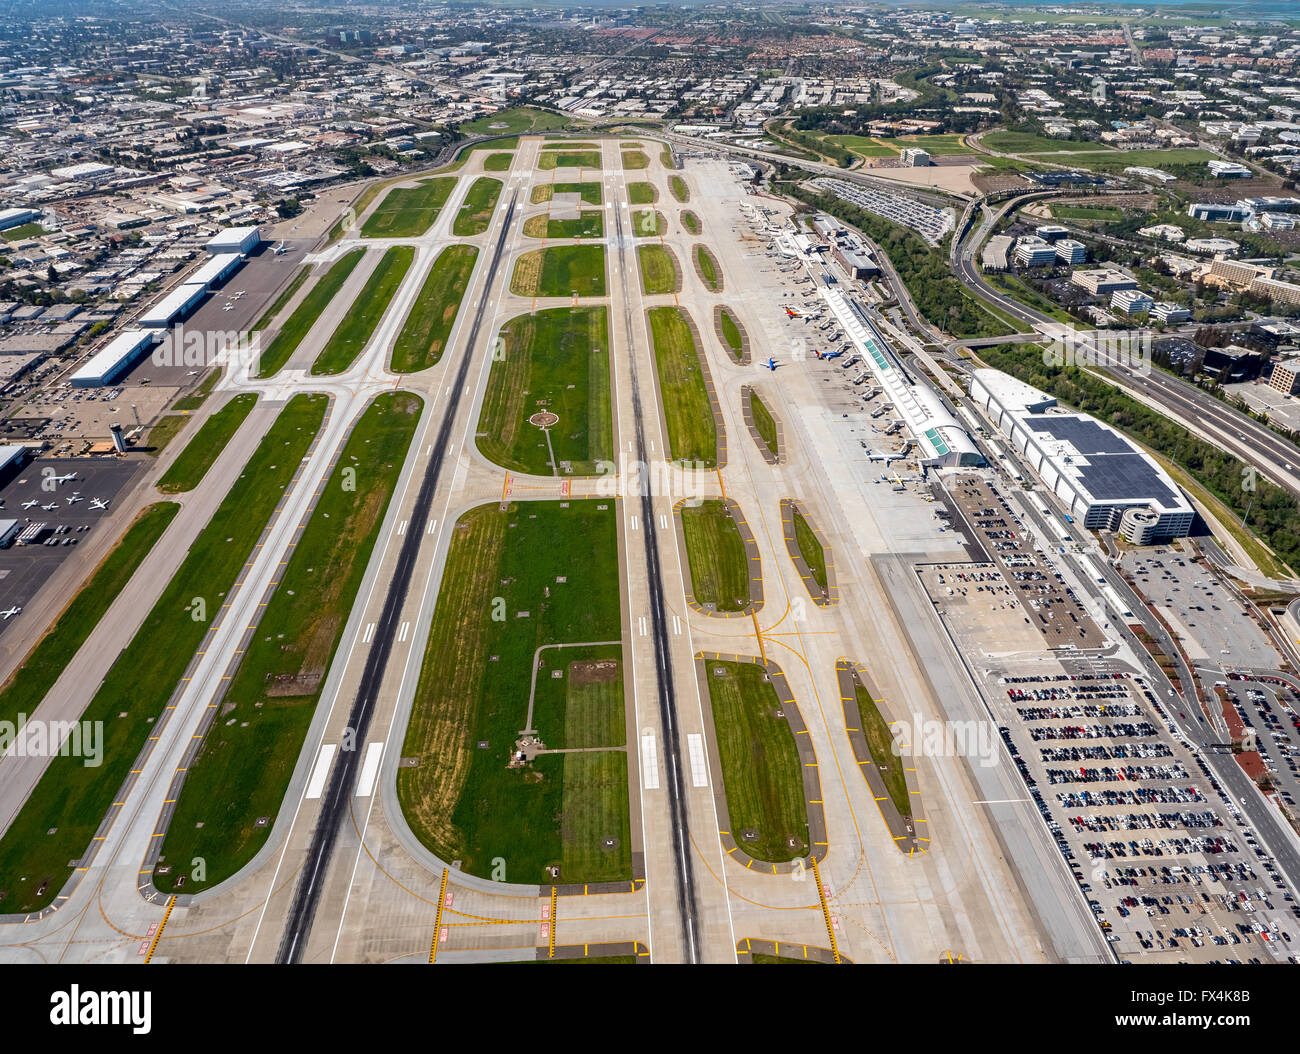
<point x="238" y="295"/>
<point x="50" y="507"/>
<point x="63" y="479"/>
<point x="96" y="503"/>
<point x="7" y="615"/>
<point x="30" y="504"/>
<point x="76" y="497"/>
<point x="280" y="250"/>
<point x="229" y="307"/>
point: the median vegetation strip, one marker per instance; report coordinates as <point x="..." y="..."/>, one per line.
<point x="553" y="362"/>
<point x="407" y="212"/>
<point x="590" y="223"/>
<point x="690" y="221"/>
<point x="635" y="159"/>
<point x="649" y="223"/>
<point x="715" y="551"/>
<point x="71" y="799"/>
<point x="764" y="424"/>
<point x="678" y="186"/>
<point x="268" y="316"/>
<point x="810" y="548"/>
<point x="33" y="679"/>
<point x="707" y="268"/>
<point x="498" y="162"/>
<point x="188" y="470"/>
<point x="550" y="159"/>
<point x="659" y="271"/>
<point x="688" y="413"/>
<point x="642" y="193"/>
<point x="198" y="396"/>
<point x="249" y="753"/>
<point x="424" y="334"/>
<point x="761" y="771"/>
<point x="533" y="574"/>
<point x="358" y="325"/>
<point x="560" y="270"/>
<point x="732" y="335"/>
<point x="476" y="211"/>
<point x="880" y="742"/>
<point x="297" y="325"/>
<point x="543" y="192"/>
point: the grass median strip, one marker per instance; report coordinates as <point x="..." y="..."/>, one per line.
<point x="692" y="428"/>
<point x="555" y="362"/>
<point x="199" y="395"/>
<point x="551" y="159"/>
<point x="295" y="328"/>
<point x="810" y="548"/>
<point x="407" y="212"/>
<point x="731" y="335"/>
<point x="498" y="162"/>
<point x="534" y="574"/>
<point x="588" y="192"/>
<point x="71" y="799"/>
<point x="641" y="193"/>
<point x="708" y="268"/>
<point x="760" y="765"/>
<point x="881" y="744"/>
<point x="716" y="554"/>
<point x="268" y="316"/>
<point x="764" y="423"/>
<point x="476" y="212"/>
<point x="658" y="269"/>
<point x="424" y="334"/>
<point x="358" y="325"/>
<point x="589" y="224"/>
<point x="690" y="221"/>
<point x="649" y="223"/>
<point x="30" y="682"/>
<point x="634" y="159"/>
<point x="248" y="757"/>
<point x="678" y="186"/>
<point x="188" y="470"/>
<point x="560" y="270"/>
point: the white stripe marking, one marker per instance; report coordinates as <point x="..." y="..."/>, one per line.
<point x="649" y="761"/>
<point x="369" y="770"/>
<point x="317" y="782"/>
<point x="699" y="766"/>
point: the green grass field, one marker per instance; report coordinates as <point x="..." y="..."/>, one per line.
<point x="551" y="567"/>
<point x="666" y="157"/>
<point x="716" y="554"/>
<point x="731" y="335"/>
<point x="584" y="706"/>
<point x="186" y="472"/>
<point x="589" y="224"/>
<point x="162" y="433"/>
<point x="881" y="744"/>
<point x="199" y="394"/>
<point x="1028" y="143"/>
<point x="810" y="549"/>
<point x="296" y="326"/>
<point x="30" y="682"/>
<point x="692" y="429"/>
<point x="709" y="270"/>
<point x="678" y="186"/>
<point x="550" y="159"/>
<point x="25" y="230"/>
<point x="1083" y="212"/>
<point x="690" y="221"/>
<point x="642" y="194"/>
<point x="498" y="162"/>
<point x="544" y="192"/>
<point x="249" y="753"/>
<point x="864" y="146"/>
<point x="760" y="765"/>
<point x="555" y="360"/>
<point x="71" y="798"/>
<point x="424" y="334"/>
<point x="635" y="159"/>
<point x="476" y="213"/>
<point x="1117" y="160"/>
<point x="560" y="270"/>
<point x="659" y="272"/>
<point x="358" y="325"/>
<point x="649" y="223"/>
<point x="763" y="420"/>
<point x="268" y="316"/>
<point x="407" y="212"/>
<point x="935" y="145"/>
<point x="519" y="119"/>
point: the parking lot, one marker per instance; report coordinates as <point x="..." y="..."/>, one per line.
<point x="68" y="510"/>
<point x="1271" y="710"/>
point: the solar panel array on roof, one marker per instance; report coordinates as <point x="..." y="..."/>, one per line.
<point x="1087" y="437"/>
<point x="1114" y="471"/>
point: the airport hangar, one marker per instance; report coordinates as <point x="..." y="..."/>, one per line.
<point x="1104" y="479"/>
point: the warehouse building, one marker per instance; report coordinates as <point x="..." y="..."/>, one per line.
<point x="10" y="218"/>
<point x="242" y="240"/>
<point x="1098" y="473"/>
<point x="12" y="458"/>
<point x="215" y="270"/>
<point x="175" y="305"/>
<point x="113" y="360"/>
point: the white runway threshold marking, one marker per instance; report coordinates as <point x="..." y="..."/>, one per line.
<point x="699" y="766"/>
<point x="317" y="782"/>
<point x="369" y="770"/>
<point x="649" y="761"/>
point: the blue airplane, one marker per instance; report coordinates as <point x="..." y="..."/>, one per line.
<point x="770" y="364"/>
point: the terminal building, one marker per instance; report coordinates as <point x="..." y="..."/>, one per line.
<point x="942" y="439"/>
<point x="1100" y="475"/>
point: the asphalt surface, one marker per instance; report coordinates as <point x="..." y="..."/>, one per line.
<point x="686" y="900"/>
<point x="334" y="809"/>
